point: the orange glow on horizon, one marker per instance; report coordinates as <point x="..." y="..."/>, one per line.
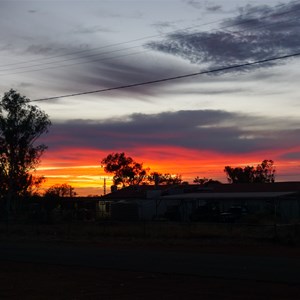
<point x="81" y="168"/>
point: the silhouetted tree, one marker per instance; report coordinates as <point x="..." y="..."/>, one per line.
<point x="126" y="171"/>
<point x="263" y="173"/>
<point x="21" y="124"/>
<point x="239" y="174"/>
<point x="60" y="190"/>
<point x="165" y="179"/>
<point x="201" y="181"/>
<point x="205" y="181"/>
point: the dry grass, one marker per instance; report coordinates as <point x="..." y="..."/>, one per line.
<point x="85" y="231"/>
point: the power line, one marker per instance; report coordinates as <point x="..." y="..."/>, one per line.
<point x="108" y="58"/>
<point x="77" y="63"/>
<point x="111" y="45"/>
<point x="173" y="78"/>
<point x="68" y="59"/>
<point x="126" y="42"/>
<point x="105" y="58"/>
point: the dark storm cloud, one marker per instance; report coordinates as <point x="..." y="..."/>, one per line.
<point x="256" y="33"/>
<point x="213" y="130"/>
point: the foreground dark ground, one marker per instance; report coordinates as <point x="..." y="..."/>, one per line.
<point x="142" y="269"/>
<point x="40" y="281"/>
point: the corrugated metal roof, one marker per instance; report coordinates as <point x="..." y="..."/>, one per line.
<point x="248" y="195"/>
<point x="257" y="187"/>
<point x="243" y="189"/>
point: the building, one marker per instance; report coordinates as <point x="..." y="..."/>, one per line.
<point x="216" y="202"/>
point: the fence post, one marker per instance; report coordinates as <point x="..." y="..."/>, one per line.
<point x="275" y="231"/>
<point x="144" y="228"/>
<point x="296" y="231"/>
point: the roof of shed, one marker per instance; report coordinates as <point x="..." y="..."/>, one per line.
<point x="246" y="195"/>
<point x="244" y="190"/>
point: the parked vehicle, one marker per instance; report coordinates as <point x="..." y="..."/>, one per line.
<point x="233" y="214"/>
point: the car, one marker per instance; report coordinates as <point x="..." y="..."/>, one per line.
<point x="233" y="214"/>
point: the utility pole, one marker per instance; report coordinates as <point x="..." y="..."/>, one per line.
<point x="104" y="182"/>
<point x="104" y="186"/>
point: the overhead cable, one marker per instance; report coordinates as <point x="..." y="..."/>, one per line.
<point x="123" y="49"/>
<point x="227" y="68"/>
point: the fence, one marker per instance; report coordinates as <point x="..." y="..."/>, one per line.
<point x="93" y="231"/>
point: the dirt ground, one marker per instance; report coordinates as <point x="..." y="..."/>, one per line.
<point x="43" y="281"/>
<point x="39" y="281"/>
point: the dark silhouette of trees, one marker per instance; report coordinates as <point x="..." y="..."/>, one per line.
<point x="165" y="179"/>
<point x="126" y="171"/>
<point x="205" y="181"/>
<point x="262" y="173"/>
<point x="265" y="172"/>
<point x="201" y="181"/>
<point x="53" y="199"/>
<point x="60" y="190"/>
<point x="21" y="124"/>
<point x="239" y="174"/>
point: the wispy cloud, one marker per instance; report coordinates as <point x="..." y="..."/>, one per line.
<point x="194" y="3"/>
<point x="81" y="29"/>
<point x="251" y="36"/>
<point x="160" y="26"/>
<point x="256" y="33"/>
<point x="214" y="8"/>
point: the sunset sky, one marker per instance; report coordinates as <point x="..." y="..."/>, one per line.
<point x="193" y="126"/>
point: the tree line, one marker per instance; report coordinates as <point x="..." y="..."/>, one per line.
<point x="21" y="124"/>
<point x="126" y="171"/>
